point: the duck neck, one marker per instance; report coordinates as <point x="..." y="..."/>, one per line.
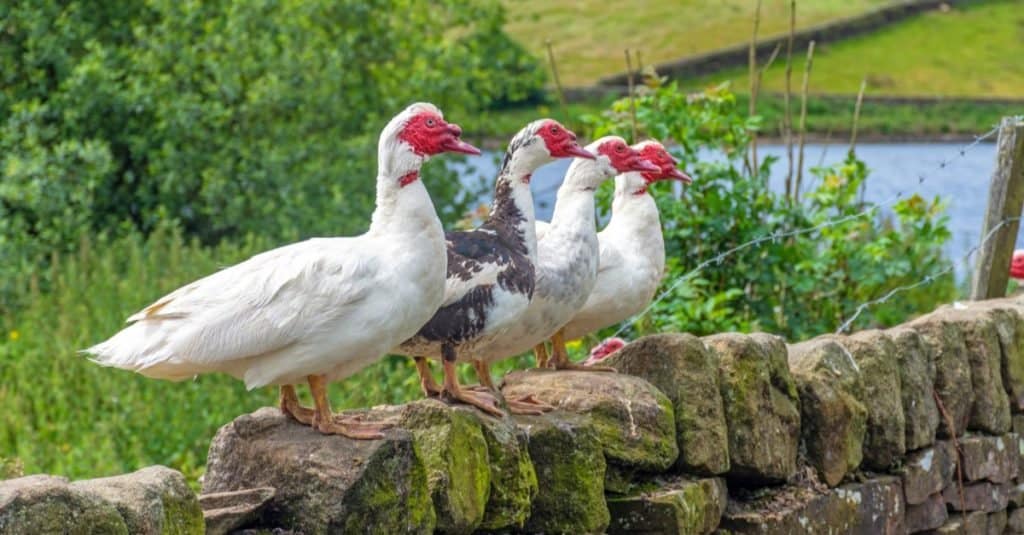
<point x="512" y="214"/>
<point x="403" y="206"/>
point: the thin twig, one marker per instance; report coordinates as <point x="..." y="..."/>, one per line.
<point x="856" y="114"/>
<point x="755" y="81"/>
<point x="632" y="96"/>
<point x="803" y="121"/>
<point x="853" y="133"/>
<point x="554" y="74"/>
<point x="787" y="114"/>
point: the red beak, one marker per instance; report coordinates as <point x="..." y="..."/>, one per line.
<point x="640" y="164"/>
<point x="577" y="151"/>
<point x="677" y="174"/>
<point x="454" y="144"/>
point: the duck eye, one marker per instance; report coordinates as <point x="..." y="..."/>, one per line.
<point x="431" y="122"/>
<point x="620" y="148"/>
<point x="554" y="129"/>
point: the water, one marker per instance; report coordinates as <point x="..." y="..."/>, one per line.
<point x="894" y="167"/>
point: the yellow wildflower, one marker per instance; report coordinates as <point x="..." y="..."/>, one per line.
<point x="574" y="345"/>
<point x="14" y="335"/>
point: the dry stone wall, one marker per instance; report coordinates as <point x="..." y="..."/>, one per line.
<point x="914" y="429"/>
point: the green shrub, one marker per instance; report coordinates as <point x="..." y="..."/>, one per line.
<point x="799" y="286"/>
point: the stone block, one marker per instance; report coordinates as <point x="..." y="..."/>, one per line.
<point x="761" y="406"/>
<point x="990" y="458"/>
<point x="917" y="387"/>
<point x="945" y="342"/>
<point x="679" y="506"/>
<point x="928" y="471"/>
<point x="680" y="366"/>
<point x="875" y="355"/>
<point x="927" y="515"/>
<point x="984" y="496"/>
<point x="833" y="419"/>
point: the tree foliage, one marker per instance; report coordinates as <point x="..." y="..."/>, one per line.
<point x="227" y="116"/>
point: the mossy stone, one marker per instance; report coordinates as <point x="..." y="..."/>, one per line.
<point x="152" y="500"/>
<point x="48" y="504"/>
<point x="953" y="387"/>
<point x="676" y="506"/>
<point x="833" y="419"/>
<point x="680" y="366"/>
<point x="875" y="355"/>
<point x="634" y="421"/>
<point x="917" y="390"/>
<point x="324" y="483"/>
<point x="570" y="466"/>
<point x="761" y="406"/>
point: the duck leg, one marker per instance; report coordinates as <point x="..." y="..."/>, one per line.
<point x="560" y="358"/>
<point x="289" y="403"/>
<point x="327" y="423"/>
<point x="453" y="390"/>
<point x="527" y="404"/>
<point x="430" y="387"/>
<point x="540" y="354"/>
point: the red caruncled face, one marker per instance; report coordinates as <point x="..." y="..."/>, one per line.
<point x="656" y="154"/>
<point x="623" y="158"/>
<point x="428" y="134"/>
<point x="560" y="141"/>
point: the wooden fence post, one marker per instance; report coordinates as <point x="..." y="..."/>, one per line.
<point x="1005" y="199"/>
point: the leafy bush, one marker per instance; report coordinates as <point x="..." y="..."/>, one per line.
<point x="799" y="286"/>
<point x="227" y="116"/>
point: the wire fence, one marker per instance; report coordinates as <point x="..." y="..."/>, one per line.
<point x="871" y="211"/>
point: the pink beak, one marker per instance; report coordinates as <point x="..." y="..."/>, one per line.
<point x="1017" y="265"/>
<point x="676" y="174"/>
<point x="577" y="151"/>
<point x="454" y="144"/>
<point x="640" y="164"/>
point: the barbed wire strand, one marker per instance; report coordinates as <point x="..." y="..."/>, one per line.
<point x="774" y="236"/>
<point x="927" y="280"/>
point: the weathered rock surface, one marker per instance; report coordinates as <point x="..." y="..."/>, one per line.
<point x="325" y="484"/>
<point x="1015" y="521"/>
<point x="227" y="511"/>
<point x="997" y="523"/>
<point x="570" y="466"/>
<point x="833" y="421"/>
<point x="633" y="419"/>
<point x="1008" y="316"/>
<point x="1016" y="496"/>
<point x="929" y="514"/>
<point x="513" y="479"/>
<point x="984" y="496"/>
<point x="928" y="471"/>
<point x="880" y="508"/>
<point x="945" y="342"/>
<point x="678" y="506"/>
<point x="991" y="458"/>
<point x="680" y="366"/>
<point x="47" y="504"/>
<point x="917" y="387"/>
<point x="990" y="412"/>
<point x="975" y="523"/>
<point x="788" y="510"/>
<point x="451" y="444"/>
<point x="761" y="406"/>
<point x="875" y="355"/>
<point x="151" y="501"/>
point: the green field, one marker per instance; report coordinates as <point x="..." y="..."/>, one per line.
<point x="972" y="51"/>
<point x="589" y="36"/>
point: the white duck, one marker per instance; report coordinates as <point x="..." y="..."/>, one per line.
<point x="567" y="257"/>
<point x="632" y="249"/>
<point x="317" y="310"/>
<point x="491" y="268"/>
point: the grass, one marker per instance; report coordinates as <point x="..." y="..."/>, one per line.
<point x="974" y="50"/>
<point x="66" y="415"/>
<point x="589" y="36"/>
<point x="826" y="117"/>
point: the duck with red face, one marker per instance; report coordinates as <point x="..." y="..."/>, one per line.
<point x="567" y="256"/>
<point x="317" y="310"/>
<point x="632" y="248"/>
<point x="491" y="276"/>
